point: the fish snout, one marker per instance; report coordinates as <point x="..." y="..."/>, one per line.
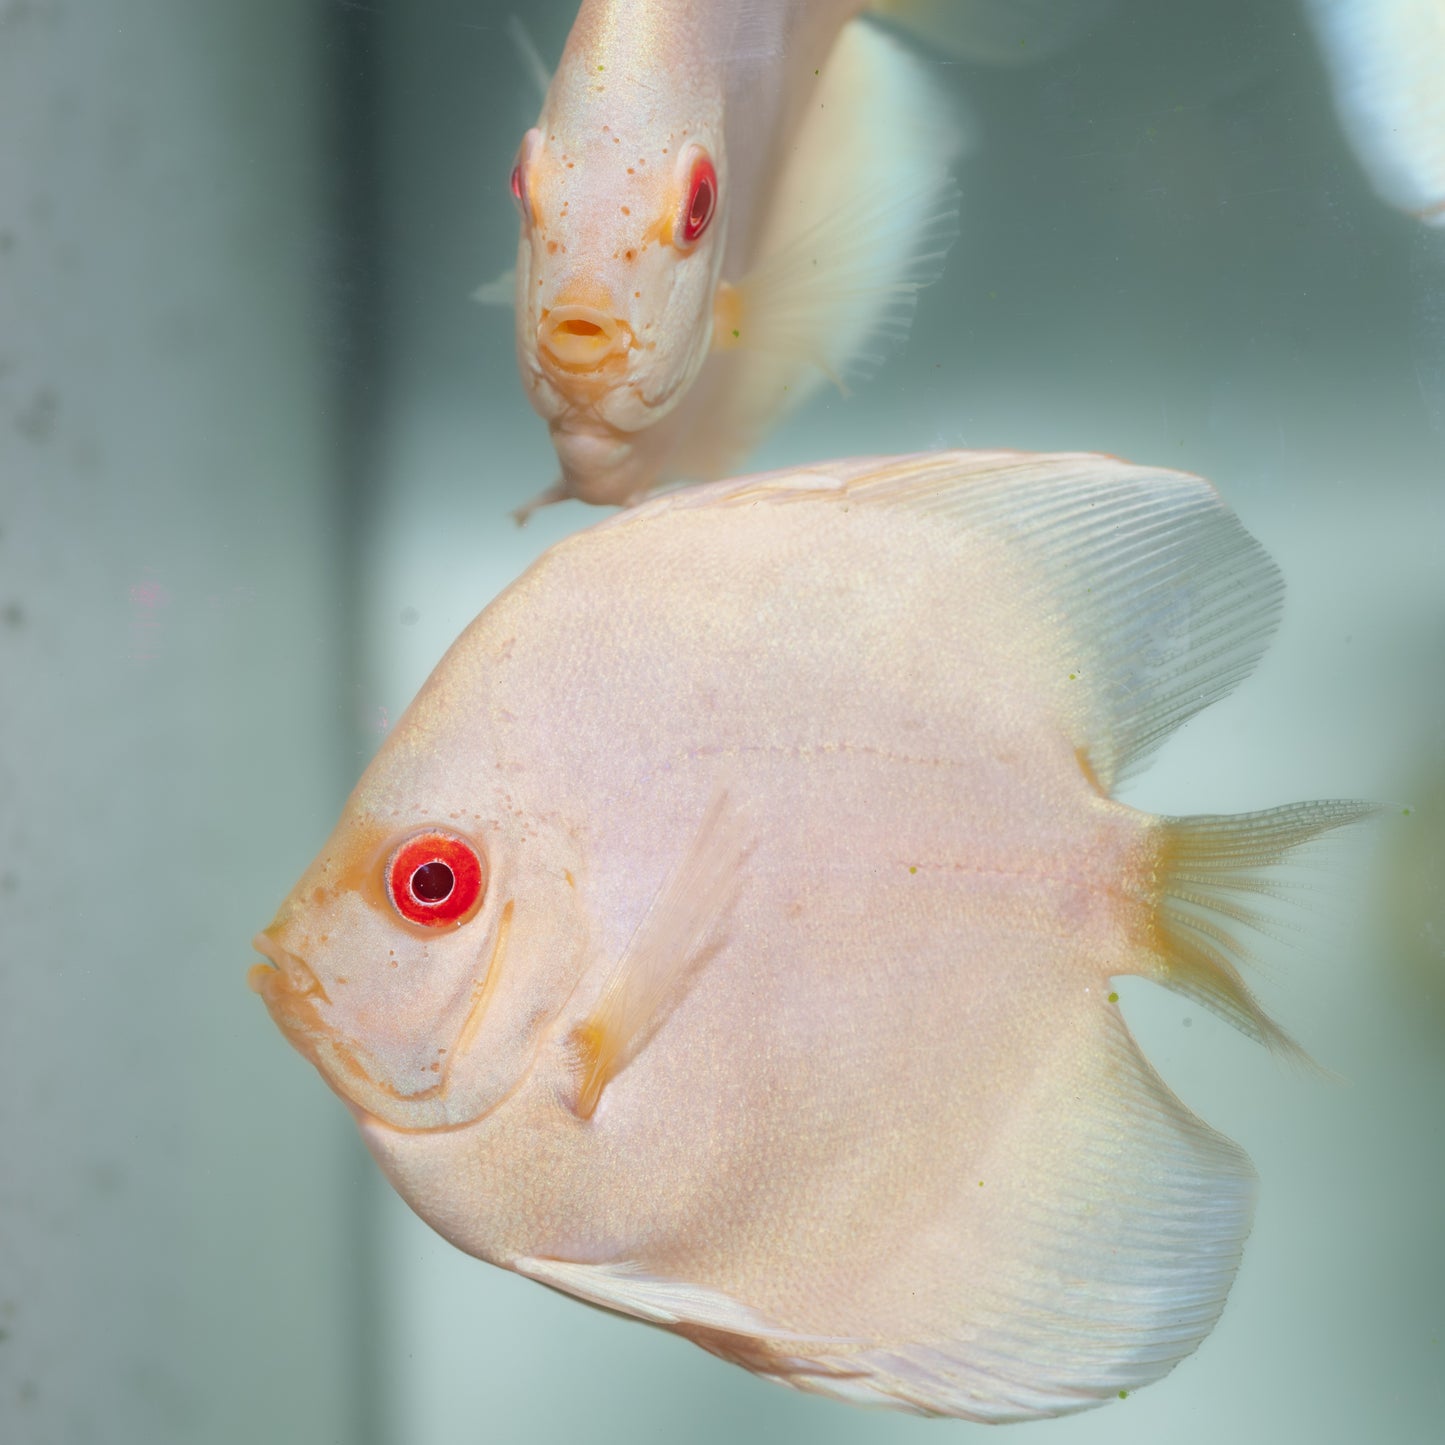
<point x="282" y="969"/>
<point x="581" y="338"/>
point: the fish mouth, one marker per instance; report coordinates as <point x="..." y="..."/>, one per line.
<point x="282" y="971"/>
<point x="583" y="341"/>
<point x="294" y="997"/>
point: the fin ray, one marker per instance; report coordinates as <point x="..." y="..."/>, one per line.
<point x="848" y="247"/>
<point x="1204" y="864"/>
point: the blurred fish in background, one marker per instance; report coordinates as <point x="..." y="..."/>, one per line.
<point x="1386" y="62"/>
<point x="723" y="205"/>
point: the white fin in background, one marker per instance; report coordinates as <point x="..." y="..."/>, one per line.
<point x="664" y="949"/>
<point x="500" y="291"/>
<point x="1386" y="63"/>
<point x="997" y="32"/>
<point x="862" y="216"/>
<point x="531" y="57"/>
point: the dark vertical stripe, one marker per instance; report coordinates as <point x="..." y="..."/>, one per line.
<point x="352" y="285"/>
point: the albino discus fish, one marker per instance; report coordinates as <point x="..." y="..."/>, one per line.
<point x="724" y="203"/>
<point x="1386" y="62"/>
<point x="740" y="959"/>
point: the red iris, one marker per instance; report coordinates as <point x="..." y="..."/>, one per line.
<point x="518" y="194"/>
<point x="701" y="200"/>
<point x="435" y="879"/>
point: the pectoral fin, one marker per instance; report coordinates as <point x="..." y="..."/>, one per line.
<point x="864" y="215"/>
<point x="529" y="55"/>
<point x="664" y="951"/>
<point x="500" y="291"/>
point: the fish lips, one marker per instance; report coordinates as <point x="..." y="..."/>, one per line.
<point x="295" y="997"/>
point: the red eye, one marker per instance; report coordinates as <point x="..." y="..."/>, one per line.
<point x="517" y="188"/>
<point x="701" y="200"/>
<point x="435" y="879"/>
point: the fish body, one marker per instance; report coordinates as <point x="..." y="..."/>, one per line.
<point x="776" y="1006"/>
<point x="720" y="204"/>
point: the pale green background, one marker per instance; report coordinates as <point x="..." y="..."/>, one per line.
<point x="256" y="451"/>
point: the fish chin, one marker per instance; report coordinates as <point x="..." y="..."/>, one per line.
<point x="603" y="466"/>
<point x="295" y="999"/>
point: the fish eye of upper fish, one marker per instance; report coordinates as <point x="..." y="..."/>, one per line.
<point x="436" y="879"/>
<point x="700" y="198"/>
<point x="521" y="178"/>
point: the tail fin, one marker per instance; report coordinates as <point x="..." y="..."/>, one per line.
<point x="1219" y="877"/>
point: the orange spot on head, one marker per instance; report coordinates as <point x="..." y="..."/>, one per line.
<point x="596" y="1056"/>
<point x="1081" y="756"/>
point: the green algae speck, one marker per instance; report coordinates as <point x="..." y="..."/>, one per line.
<point x="1113" y="998"/>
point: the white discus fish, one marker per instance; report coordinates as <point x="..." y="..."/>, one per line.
<point x="724" y="204"/>
<point x="1386" y="62"/>
<point x="740" y="959"/>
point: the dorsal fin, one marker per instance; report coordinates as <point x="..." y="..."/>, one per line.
<point x="661" y="953"/>
<point x="1160" y="602"/>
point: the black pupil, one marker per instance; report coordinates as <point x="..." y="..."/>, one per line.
<point x="433" y="882"/>
<point x="701" y="204"/>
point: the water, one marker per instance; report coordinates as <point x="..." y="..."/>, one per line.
<point x="256" y="450"/>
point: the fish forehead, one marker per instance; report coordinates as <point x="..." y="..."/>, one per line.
<point x="631" y="85"/>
